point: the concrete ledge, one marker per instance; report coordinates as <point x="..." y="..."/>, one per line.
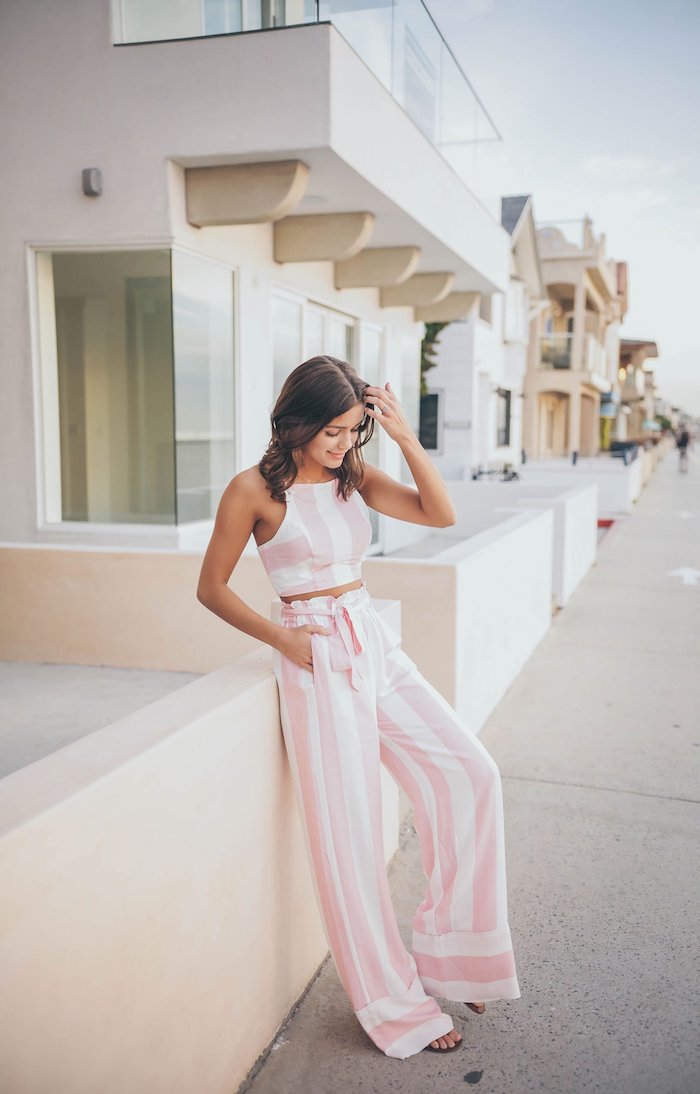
<point x="619" y="485"/>
<point x="473" y="610"/>
<point x="574" y="529"/>
<point x="158" y="914"/>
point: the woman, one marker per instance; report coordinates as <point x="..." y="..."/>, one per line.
<point x="350" y="698"/>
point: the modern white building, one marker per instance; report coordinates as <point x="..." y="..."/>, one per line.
<point x="189" y="212"/>
<point x="472" y="411"/>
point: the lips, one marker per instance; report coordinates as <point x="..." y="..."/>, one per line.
<point x="337" y="455"/>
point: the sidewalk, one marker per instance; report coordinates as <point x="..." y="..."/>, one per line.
<point x="598" y="742"/>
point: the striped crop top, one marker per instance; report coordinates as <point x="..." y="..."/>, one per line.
<point x="321" y="541"/>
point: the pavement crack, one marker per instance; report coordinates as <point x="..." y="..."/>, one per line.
<point x="595" y="786"/>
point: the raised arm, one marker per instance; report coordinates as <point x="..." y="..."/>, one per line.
<point x="431" y="503"/>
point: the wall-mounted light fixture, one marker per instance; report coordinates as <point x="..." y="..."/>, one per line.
<point x="92" y="182"/>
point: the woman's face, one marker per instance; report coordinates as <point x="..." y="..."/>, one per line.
<point x="330" y="444"/>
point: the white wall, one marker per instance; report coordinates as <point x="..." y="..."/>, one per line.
<point x="474" y="358"/>
<point x="619" y="486"/>
<point x="484" y="504"/>
<point x="473" y="612"/>
<point x="159" y="912"/>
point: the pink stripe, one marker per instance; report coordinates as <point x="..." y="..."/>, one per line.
<point x="325" y="549"/>
<point x="423" y="819"/>
<point x="373" y="961"/>
<point x="280" y="556"/>
<point x="386" y="1033"/>
<point x="483" y="970"/>
<point x="446" y="833"/>
<point x="360" y="526"/>
<point x="296" y="701"/>
<point x="398" y="955"/>
<point x="455" y="740"/>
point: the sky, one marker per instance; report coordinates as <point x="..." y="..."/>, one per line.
<point x="598" y="104"/>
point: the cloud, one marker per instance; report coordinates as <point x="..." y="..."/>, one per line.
<point x="621" y="169"/>
<point x="446" y="11"/>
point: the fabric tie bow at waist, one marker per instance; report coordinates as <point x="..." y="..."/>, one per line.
<point x="343" y="645"/>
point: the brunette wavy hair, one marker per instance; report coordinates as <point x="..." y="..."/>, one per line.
<point x="314" y="393"/>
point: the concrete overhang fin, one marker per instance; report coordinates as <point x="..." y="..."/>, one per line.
<point x="419" y="290"/>
<point x="244" y="193"/>
<point x="377" y="268"/>
<point x="456" y="305"/>
<point x="321" y="237"/>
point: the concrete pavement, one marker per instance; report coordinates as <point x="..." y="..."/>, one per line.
<point x="45" y="707"/>
<point x="598" y="742"/>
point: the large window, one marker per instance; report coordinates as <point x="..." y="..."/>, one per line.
<point x="301" y="330"/>
<point x="204" y="375"/>
<point x="137" y="360"/>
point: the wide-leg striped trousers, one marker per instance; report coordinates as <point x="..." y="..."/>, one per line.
<point x="366" y="703"/>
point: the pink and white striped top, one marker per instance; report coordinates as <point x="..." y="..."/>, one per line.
<point x="321" y="541"/>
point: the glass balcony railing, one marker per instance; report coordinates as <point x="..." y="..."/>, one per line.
<point x="555" y="350"/>
<point x="397" y="39"/>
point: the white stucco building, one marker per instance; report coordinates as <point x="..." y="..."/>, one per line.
<point x="259" y="197"/>
<point x="474" y="399"/>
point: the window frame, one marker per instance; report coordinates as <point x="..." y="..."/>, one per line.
<point x="49" y="522"/>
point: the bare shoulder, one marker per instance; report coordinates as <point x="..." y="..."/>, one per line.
<point x="246" y="491"/>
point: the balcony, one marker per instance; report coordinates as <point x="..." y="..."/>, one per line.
<point x="253" y="99"/>
<point x="596" y="356"/>
<point x="575" y="239"/>
<point x="564" y="238"/>
<point x="397" y="39"/>
<point x="633" y="385"/>
<point x="555" y="350"/>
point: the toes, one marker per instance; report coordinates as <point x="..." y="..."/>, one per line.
<point x="450" y="1039"/>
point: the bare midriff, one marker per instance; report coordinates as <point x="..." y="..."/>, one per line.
<point x="337" y="591"/>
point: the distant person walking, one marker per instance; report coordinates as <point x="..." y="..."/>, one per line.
<point x="682" y="442"/>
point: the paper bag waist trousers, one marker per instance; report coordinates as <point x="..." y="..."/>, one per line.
<point x="365" y="703"/>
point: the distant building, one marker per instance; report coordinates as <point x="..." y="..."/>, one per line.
<point x="478" y="382"/>
<point x="637" y="390"/>
<point x="574" y="364"/>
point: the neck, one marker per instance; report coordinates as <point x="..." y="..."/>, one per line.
<point x="313" y="482"/>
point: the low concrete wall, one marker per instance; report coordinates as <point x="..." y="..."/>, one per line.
<point x="124" y="608"/>
<point x="619" y="485"/>
<point x="574" y="529"/>
<point x="158" y="918"/>
<point x="473" y="613"/>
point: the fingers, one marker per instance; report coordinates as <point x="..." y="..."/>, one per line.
<point x="382" y="398"/>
